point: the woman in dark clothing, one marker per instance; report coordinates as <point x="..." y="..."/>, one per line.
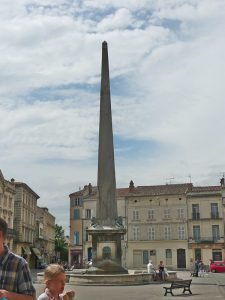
<point x="161" y="270"/>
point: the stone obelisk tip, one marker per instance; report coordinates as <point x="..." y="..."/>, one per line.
<point x="104" y="44"/>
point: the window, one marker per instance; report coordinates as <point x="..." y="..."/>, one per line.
<point x="151" y="213"/>
<point x="152" y="253"/>
<point x="215" y="232"/>
<point x="217" y="255"/>
<point x="198" y="254"/>
<point x="87" y="236"/>
<point x="151" y="233"/>
<point x="136" y="233"/>
<point x="180" y="213"/>
<point x="214" y="211"/>
<point x="76" y="214"/>
<point x="196" y="232"/>
<point x="145" y="257"/>
<point x="181" y="232"/>
<point x="88" y="214"/>
<point x="76" y="238"/>
<point x="167" y="232"/>
<point x="135" y="215"/>
<point x="167" y="213"/>
<point x="10" y="202"/>
<point x="76" y="201"/>
<point x="168" y="257"/>
<point x="5" y="201"/>
<point x="195" y="212"/>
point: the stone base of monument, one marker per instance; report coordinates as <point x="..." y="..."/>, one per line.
<point x="107" y="266"/>
<point x="106" y="279"/>
<point x="82" y="277"/>
<point x="110" y="279"/>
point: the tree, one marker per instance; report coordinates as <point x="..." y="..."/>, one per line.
<point x="61" y="247"/>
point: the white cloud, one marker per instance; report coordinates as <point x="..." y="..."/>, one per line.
<point x="166" y="66"/>
<point x="120" y="20"/>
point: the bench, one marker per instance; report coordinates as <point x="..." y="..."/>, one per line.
<point x="178" y="284"/>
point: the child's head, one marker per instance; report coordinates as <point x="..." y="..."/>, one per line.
<point x="55" y="277"/>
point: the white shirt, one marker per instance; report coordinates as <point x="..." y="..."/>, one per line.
<point x="150" y="268"/>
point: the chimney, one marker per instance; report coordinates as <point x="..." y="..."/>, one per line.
<point x="131" y="186"/>
<point x="222" y="181"/>
<point x="12" y="180"/>
<point x="89" y="188"/>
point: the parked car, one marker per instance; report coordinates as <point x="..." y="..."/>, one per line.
<point x="217" y="267"/>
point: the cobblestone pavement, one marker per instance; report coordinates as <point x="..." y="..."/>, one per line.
<point x="209" y="287"/>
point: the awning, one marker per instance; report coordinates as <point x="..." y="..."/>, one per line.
<point x="26" y="250"/>
<point x="36" y="253"/>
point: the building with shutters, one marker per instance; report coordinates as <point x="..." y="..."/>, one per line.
<point x="206" y="223"/>
<point x="176" y="223"/>
<point x="7" y="198"/>
<point x="45" y="235"/>
<point x="157" y="225"/>
<point x="25" y="206"/>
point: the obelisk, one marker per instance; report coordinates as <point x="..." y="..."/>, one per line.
<point x="107" y="228"/>
<point x="106" y="208"/>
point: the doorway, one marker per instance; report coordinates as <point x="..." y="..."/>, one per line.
<point x="181" y="258"/>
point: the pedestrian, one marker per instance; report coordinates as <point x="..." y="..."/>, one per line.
<point x="161" y="270"/>
<point x="15" y="279"/>
<point x="196" y="267"/>
<point x="55" y="278"/>
<point x="151" y="269"/>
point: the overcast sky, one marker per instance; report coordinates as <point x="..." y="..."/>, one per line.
<point x="167" y="70"/>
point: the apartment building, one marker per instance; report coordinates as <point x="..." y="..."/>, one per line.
<point x="176" y="223"/>
<point x="25" y="206"/>
<point x="7" y="198"/>
<point x="45" y="235"/>
<point x="157" y="226"/>
<point x="82" y="210"/>
<point x="75" y="256"/>
<point x="206" y="223"/>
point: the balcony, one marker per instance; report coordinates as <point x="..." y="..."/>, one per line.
<point x="195" y="216"/>
<point x="206" y="240"/>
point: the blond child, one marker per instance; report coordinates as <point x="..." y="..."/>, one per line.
<point x="55" y="278"/>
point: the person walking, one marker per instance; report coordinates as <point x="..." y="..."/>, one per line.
<point x="15" y="276"/>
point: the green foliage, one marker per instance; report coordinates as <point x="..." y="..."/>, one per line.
<point x="61" y="246"/>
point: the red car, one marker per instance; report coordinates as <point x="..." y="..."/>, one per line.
<point x="217" y="267"/>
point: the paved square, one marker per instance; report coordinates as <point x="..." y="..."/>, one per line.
<point x="203" y="288"/>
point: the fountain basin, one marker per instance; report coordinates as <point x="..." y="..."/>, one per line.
<point x="109" y="279"/>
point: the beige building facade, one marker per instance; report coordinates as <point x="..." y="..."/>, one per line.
<point x="31" y="229"/>
<point x="75" y="256"/>
<point x="176" y="223"/>
<point x="7" y="198"/>
<point x="157" y="226"/>
<point x="45" y="235"/>
<point x="85" y="201"/>
<point x="25" y="207"/>
<point x="206" y="224"/>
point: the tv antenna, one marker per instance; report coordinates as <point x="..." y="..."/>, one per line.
<point x="170" y="180"/>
